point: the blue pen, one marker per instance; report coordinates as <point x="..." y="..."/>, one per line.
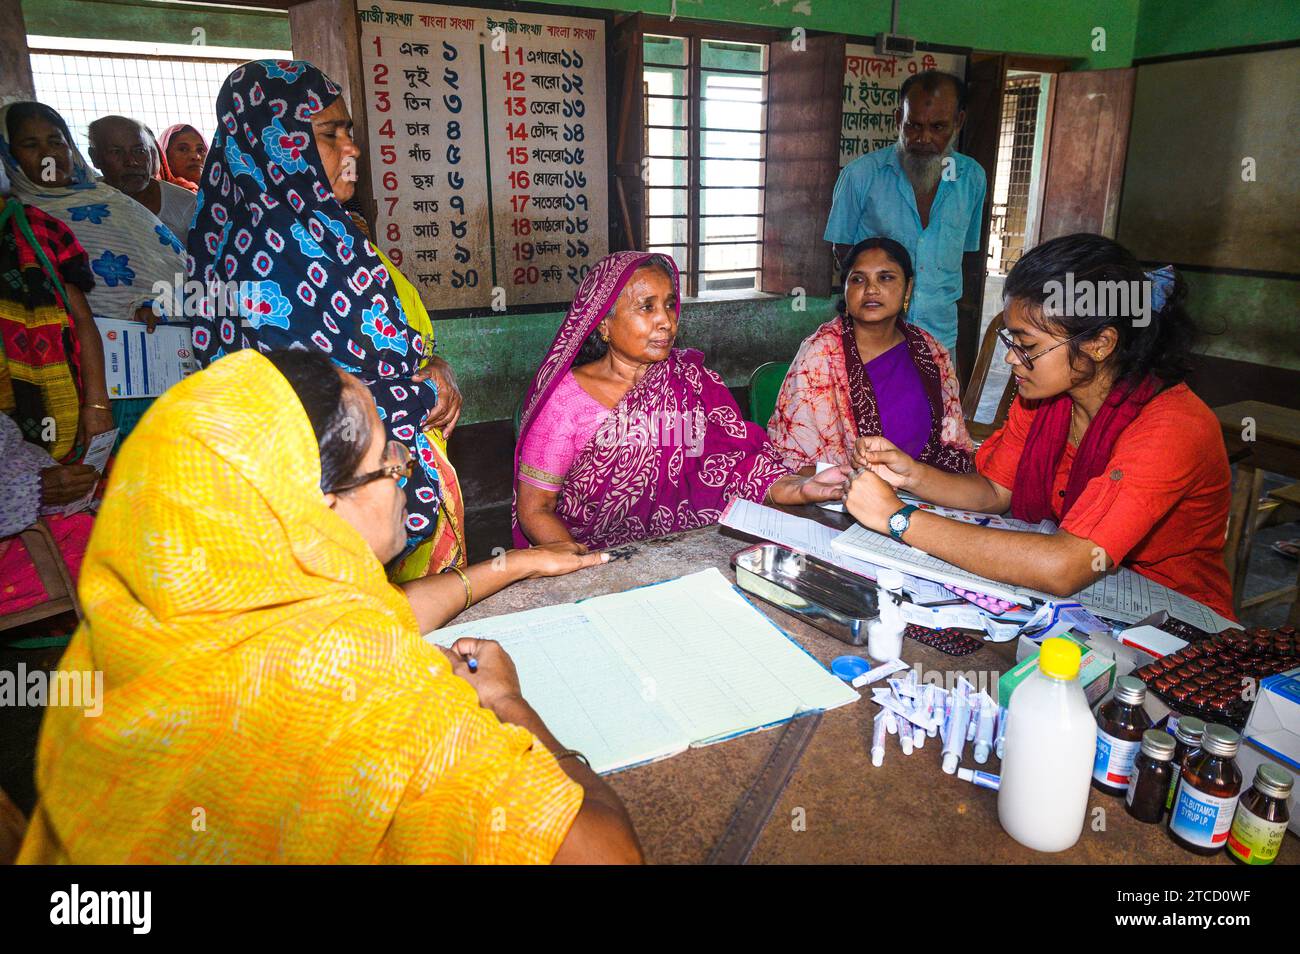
<point x="473" y="664"/>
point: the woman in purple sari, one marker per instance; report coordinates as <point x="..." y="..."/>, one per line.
<point x="624" y="437"/>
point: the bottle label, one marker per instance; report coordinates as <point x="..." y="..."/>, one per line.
<point x="1253" y="839"/>
<point x="1173" y="784"/>
<point x="1202" y="819"/>
<point x="1113" y="763"/>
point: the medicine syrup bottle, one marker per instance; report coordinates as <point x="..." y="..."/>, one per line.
<point x="1120" y="724"/>
<point x="1149" y="785"/>
<point x="1188" y="733"/>
<point x="1207" y="793"/>
<point x="1262" y="817"/>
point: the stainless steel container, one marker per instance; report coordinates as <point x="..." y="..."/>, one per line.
<point x="836" y="601"/>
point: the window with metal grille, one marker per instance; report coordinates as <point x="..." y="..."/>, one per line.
<point x="705" y="116"/>
<point x="1014" y="171"/>
<point x="158" y="91"/>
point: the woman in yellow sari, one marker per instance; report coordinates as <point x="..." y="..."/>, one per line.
<point x="266" y="695"/>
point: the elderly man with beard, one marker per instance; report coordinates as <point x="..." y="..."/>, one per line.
<point x="920" y="193"/>
<point x="123" y="150"/>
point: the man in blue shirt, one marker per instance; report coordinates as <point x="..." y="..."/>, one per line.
<point x="920" y="193"/>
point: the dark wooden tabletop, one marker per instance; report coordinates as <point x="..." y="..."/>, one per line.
<point x="837" y="808"/>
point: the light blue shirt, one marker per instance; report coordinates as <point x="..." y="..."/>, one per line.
<point x="873" y="197"/>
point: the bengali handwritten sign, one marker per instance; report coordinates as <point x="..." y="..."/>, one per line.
<point x="487" y="144"/>
<point x="870" y="95"/>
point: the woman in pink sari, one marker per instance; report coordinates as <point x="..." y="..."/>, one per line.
<point x="868" y="372"/>
<point x="624" y="437"/>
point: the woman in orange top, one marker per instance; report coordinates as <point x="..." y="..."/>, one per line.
<point x="1104" y="438"/>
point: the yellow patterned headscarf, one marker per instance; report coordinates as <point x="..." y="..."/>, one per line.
<point x="266" y="694"/>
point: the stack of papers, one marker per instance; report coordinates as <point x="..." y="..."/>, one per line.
<point x="633" y="677"/>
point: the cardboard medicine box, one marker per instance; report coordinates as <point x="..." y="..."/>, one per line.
<point x="1096" y="671"/>
<point x="1272" y="734"/>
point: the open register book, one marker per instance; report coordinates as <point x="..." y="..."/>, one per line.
<point x="642" y="675"/>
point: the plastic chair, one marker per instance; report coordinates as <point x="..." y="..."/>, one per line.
<point x="764" y="385"/>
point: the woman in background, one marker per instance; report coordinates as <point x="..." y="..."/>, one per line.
<point x="181" y="152"/>
<point x="271" y="225"/>
<point x="868" y="372"/>
<point x="130" y="250"/>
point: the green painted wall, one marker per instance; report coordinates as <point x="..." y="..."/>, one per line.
<point x="157" y="22"/>
<point x="1245" y="318"/>
<point x="1168" y="27"/>
<point x="1049" y="27"/>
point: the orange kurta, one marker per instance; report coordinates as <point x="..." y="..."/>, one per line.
<point x="267" y="695"/>
<point x="1159" y="508"/>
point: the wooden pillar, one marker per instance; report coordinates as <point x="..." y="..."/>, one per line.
<point x="15" y="61"/>
<point x="326" y="33"/>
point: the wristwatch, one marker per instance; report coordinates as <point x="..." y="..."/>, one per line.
<point x="901" y="520"/>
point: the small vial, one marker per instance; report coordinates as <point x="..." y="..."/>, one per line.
<point x="1188" y="735"/>
<point x="1149" y="784"/>
<point x="878" y="734"/>
<point x="1120" y="724"/>
<point x="1262" y="817"/>
<point x="1208" y="793"/>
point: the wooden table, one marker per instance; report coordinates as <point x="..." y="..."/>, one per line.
<point x="905" y="811"/>
<point x="1259" y="437"/>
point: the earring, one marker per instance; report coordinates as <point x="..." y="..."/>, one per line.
<point x="1098" y="355"/>
<point x="604" y="336"/>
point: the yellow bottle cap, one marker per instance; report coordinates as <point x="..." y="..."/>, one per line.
<point x="1059" y="658"/>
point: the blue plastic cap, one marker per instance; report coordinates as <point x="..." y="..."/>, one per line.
<point x="849" y="668"/>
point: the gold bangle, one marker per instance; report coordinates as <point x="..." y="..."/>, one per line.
<point x="469" y="590"/>
<point x="102" y="407"/>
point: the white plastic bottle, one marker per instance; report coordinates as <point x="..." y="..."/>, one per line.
<point x="1051" y="742"/>
<point x="885" y="635"/>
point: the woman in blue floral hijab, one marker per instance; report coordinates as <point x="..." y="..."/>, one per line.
<point x="271" y="244"/>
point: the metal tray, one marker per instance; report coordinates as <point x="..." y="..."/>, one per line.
<point x="835" y="601"/>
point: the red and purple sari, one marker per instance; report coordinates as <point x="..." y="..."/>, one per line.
<point x="669" y="456"/>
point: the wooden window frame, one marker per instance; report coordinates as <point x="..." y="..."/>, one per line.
<point x="695" y="33"/>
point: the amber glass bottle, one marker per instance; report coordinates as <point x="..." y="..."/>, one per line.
<point x="1208" y="793"/>
<point x="1120" y="724"/>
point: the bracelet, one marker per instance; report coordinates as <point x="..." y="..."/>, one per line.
<point x="469" y="590"/>
<point x="565" y="753"/>
<point x="102" y="407"/>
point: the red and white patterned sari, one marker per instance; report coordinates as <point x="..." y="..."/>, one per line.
<point x="824" y="406"/>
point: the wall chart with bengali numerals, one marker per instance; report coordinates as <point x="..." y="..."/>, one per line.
<point x="487" y="149"/>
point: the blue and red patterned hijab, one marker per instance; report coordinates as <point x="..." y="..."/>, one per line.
<point x="269" y="233"/>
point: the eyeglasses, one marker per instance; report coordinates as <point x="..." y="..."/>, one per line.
<point x="1023" y="356"/>
<point x="401" y="465"/>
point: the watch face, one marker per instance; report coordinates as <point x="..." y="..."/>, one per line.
<point x="898" y="523"/>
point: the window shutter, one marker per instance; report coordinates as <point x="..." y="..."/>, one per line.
<point x="803" y="149"/>
<point x="627" y="192"/>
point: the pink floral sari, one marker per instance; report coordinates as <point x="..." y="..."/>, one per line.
<point x="673" y="452"/>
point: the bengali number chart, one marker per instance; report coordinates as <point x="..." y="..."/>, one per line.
<point x="488" y="150"/>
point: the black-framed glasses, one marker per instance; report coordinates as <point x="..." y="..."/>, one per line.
<point x="400" y="465"/>
<point x="1023" y="356"/>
